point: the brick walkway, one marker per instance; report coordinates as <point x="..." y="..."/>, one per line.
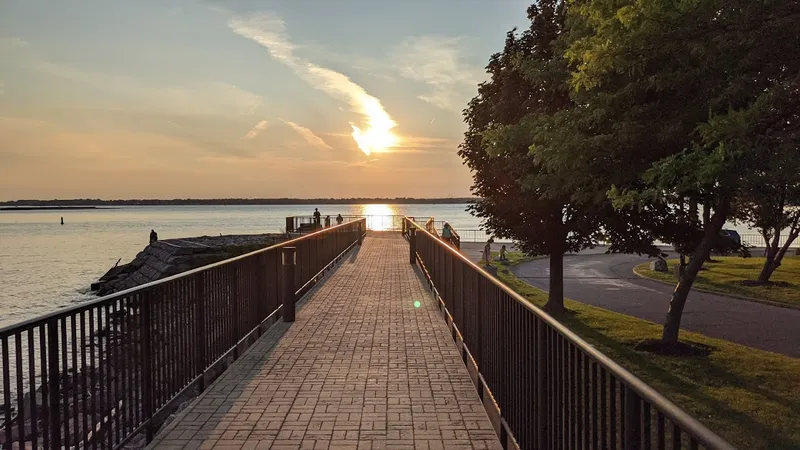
<point x="361" y="368"/>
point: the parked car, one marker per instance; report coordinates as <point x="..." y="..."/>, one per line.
<point x="729" y="241"/>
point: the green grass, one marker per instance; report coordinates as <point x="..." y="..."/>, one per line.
<point x="749" y="397"/>
<point x="727" y="275"/>
<point x="513" y="258"/>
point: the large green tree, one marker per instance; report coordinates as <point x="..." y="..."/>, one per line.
<point x="673" y="96"/>
<point x="548" y="210"/>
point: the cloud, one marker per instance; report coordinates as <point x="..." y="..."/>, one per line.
<point x="438" y="62"/>
<point x="196" y="98"/>
<point x="12" y="42"/>
<point x="308" y="135"/>
<point x="256" y="130"/>
<point x="268" y="30"/>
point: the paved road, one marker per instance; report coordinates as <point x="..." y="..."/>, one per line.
<point x="608" y="281"/>
<point x="363" y="367"/>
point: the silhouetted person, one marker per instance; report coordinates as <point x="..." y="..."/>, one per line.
<point x="339" y="219"/>
<point x="317" y="217"/>
<point x="487" y="252"/>
<point x="447" y="233"/>
<point x="62" y="221"/>
<point x="503" y="253"/>
<point x="153" y="236"/>
<point x="327" y="221"/>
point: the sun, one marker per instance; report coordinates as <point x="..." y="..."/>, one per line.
<point x="377" y="136"/>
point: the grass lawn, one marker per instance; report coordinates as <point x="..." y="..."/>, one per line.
<point x="750" y="397"/>
<point x="728" y="274"/>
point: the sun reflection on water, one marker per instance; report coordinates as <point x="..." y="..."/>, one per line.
<point x="380" y="217"/>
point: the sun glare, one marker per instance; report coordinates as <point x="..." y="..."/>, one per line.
<point x="377" y="136"/>
<point x="379" y="217"/>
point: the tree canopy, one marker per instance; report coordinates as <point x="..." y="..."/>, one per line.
<point x="626" y="120"/>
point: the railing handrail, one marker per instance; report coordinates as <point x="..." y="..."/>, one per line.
<point x="672" y="411"/>
<point x="65" y="312"/>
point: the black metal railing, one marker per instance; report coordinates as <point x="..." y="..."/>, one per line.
<point x="549" y="387"/>
<point x="101" y="373"/>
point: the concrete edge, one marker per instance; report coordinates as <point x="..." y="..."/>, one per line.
<point x="722" y="294"/>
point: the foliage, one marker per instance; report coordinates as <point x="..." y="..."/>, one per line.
<point x="676" y="103"/>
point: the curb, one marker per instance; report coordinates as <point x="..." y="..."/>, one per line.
<point x="723" y="294"/>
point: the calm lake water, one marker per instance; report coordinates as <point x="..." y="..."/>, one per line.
<point x="45" y="266"/>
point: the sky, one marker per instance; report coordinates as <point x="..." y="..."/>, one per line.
<point x="209" y="99"/>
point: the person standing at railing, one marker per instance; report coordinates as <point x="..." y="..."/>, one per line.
<point x="327" y="221"/>
<point x="447" y="233"/>
<point x="339" y="219"/>
<point x="317" y="218"/>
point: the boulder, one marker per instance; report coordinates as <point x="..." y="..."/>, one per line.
<point x="659" y="265"/>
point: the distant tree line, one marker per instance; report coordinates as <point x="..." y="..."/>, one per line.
<point x="235" y="201"/>
<point x="631" y="122"/>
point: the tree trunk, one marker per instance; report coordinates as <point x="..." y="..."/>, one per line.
<point x="770" y="253"/>
<point x="555" y="297"/>
<point x="706" y="224"/>
<point x="776" y="257"/>
<point x="672" y="324"/>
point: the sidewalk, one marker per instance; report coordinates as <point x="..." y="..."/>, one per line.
<point x="361" y="368"/>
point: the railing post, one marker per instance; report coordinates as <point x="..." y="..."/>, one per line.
<point x="633" y="412"/>
<point x="288" y="262"/>
<point x="147" y="366"/>
<point x="54" y="408"/>
<point x="289" y="225"/>
<point x="541" y="421"/>
<point x="200" y="328"/>
<point x="412" y="245"/>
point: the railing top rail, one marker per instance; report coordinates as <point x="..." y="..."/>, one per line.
<point x="66" y="312"/>
<point x="669" y="409"/>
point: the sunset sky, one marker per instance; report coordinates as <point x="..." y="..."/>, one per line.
<point x="294" y="98"/>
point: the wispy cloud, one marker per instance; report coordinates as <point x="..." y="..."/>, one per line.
<point x="438" y="62"/>
<point x="12" y="42"/>
<point x="308" y="135"/>
<point x="268" y="30"/>
<point x="256" y="130"/>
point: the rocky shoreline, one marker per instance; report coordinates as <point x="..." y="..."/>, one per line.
<point x="161" y="259"/>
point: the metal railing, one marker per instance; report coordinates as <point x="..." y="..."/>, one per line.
<point x="302" y="224"/>
<point x="98" y="374"/>
<point x="550" y="388"/>
<point x="756" y="240"/>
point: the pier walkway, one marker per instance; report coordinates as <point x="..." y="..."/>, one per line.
<point x="364" y="366"/>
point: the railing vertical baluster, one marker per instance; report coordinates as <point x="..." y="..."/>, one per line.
<point x="200" y="327"/>
<point x="6" y="390"/>
<point x="54" y="384"/>
<point x="632" y="420"/>
<point x="147" y="366"/>
<point x="288" y="262"/>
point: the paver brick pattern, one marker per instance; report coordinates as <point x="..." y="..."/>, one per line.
<point x="361" y="368"/>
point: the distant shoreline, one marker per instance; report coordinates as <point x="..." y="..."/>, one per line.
<point x="46" y="208"/>
<point x="18" y="205"/>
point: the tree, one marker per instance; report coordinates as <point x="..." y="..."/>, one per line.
<point x="771" y="198"/>
<point x="674" y="93"/>
<point x="548" y="210"/>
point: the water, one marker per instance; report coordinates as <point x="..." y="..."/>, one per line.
<point x="45" y="266"/>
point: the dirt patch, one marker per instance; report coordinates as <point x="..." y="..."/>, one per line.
<point x="679" y="349"/>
